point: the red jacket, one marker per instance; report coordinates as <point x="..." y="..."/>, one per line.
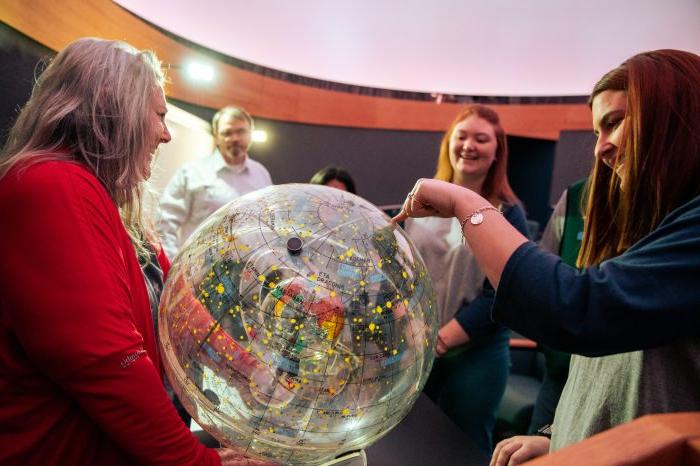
<point x="80" y="375"/>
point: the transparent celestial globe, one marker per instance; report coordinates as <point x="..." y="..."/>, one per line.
<point x="298" y="324"/>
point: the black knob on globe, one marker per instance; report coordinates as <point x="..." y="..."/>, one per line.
<point x="294" y="245"/>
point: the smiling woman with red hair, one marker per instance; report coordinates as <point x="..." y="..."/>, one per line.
<point x="472" y="350"/>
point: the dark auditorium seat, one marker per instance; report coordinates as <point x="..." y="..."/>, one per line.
<point x="524" y="381"/>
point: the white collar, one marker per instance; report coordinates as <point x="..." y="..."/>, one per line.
<point x="218" y="163"/>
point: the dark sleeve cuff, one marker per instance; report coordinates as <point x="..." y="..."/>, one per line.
<point x="475" y="317"/>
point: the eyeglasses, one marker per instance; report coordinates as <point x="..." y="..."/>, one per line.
<point x="236" y="132"/>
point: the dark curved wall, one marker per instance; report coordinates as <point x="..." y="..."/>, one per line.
<point x="385" y="163"/>
<point x="19" y="57"/>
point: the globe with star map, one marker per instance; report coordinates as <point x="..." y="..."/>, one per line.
<point x="298" y="324"/>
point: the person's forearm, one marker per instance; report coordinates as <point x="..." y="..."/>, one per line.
<point x="493" y="241"/>
<point x="451" y="335"/>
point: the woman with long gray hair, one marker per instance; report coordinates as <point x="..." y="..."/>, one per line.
<point x="80" y="373"/>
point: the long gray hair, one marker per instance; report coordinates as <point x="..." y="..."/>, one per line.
<point x="91" y="104"/>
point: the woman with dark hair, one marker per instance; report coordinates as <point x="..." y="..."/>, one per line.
<point x="80" y="371"/>
<point x="334" y="177"/>
<point x="631" y="315"/>
<point x="472" y="350"/>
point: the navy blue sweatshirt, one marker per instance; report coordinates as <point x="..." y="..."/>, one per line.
<point x="646" y="297"/>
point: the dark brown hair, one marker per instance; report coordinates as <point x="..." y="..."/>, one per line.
<point x="330" y="173"/>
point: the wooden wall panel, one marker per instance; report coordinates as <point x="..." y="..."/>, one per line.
<point x="56" y="23"/>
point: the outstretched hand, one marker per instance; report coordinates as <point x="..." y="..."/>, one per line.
<point x="430" y="198"/>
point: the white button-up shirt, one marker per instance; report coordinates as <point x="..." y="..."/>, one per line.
<point x="198" y="189"/>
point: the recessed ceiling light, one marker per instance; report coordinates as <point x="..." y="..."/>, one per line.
<point x="259" y="135"/>
<point x="200" y="72"/>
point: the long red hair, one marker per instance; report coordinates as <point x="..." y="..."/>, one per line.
<point x="659" y="152"/>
